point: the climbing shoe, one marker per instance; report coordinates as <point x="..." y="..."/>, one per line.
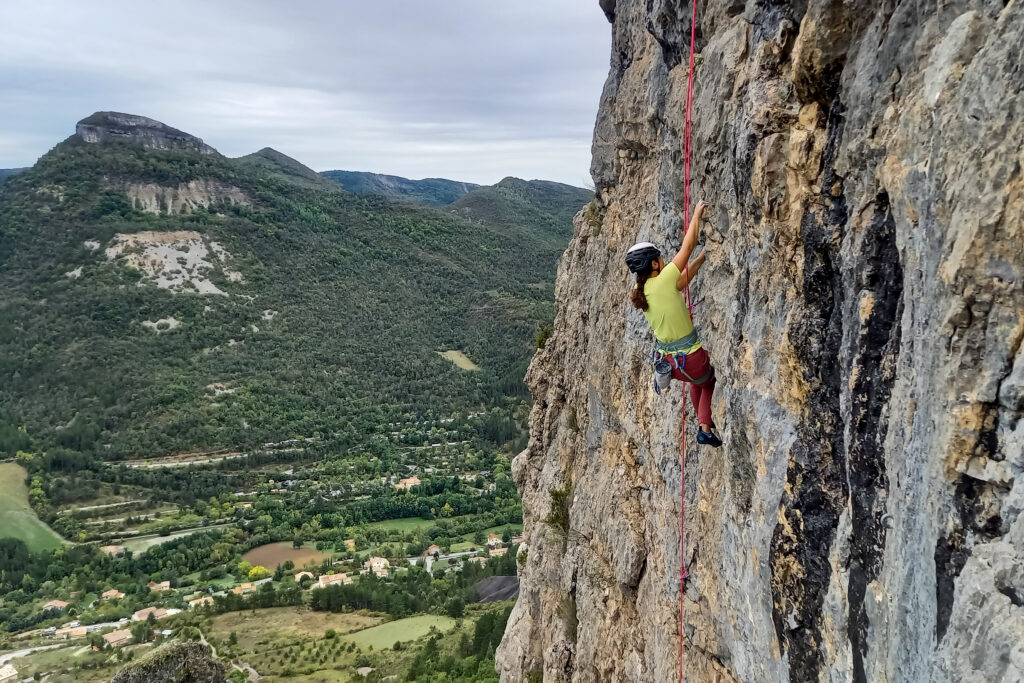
<point x="708" y="438"/>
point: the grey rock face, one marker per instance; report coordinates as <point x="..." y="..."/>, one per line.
<point x="106" y="126"/>
<point x="174" y="663"/>
<point x="863" y="305"/>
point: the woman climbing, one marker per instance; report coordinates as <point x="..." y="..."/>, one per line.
<point x="658" y="294"/>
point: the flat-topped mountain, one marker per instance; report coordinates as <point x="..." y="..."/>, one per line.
<point x="110" y="126"/>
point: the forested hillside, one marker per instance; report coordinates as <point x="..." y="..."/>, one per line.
<point x="429" y="191"/>
<point x="529" y="210"/>
<point x="160" y="300"/>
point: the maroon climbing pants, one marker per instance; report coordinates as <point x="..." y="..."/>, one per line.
<point x="696" y="366"/>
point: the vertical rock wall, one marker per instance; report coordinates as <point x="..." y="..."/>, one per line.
<point x="863" y="305"/>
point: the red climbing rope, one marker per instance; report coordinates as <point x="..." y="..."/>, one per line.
<point x="687" y="152"/>
<point x="688" y="147"/>
<point x="682" y="530"/>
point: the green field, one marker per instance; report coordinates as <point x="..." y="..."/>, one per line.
<point x="386" y="635"/>
<point x="404" y="524"/>
<point x="516" y="529"/>
<point x="17" y="518"/>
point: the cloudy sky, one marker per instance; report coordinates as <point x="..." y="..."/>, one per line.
<point x="467" y="89"/>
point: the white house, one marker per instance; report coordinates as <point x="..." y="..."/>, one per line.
<point x="378" y="565"/>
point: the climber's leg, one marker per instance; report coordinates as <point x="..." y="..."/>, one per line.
<point x="704" y="407"/>
<point x="698" y="366"/>
<point x="695" y="394"/>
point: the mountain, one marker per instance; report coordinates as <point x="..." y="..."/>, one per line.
<point x="285" y="167"/>
<point x="429" y="191"/>
<point x="527" y="209"/>
<point x="160" y="297"/>
<point x="863" y="305"/>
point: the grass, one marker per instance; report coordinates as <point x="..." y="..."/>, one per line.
<point x="411" y="628"/>
<point x="460" y="359"/>
<point x="17" y="518"/>
<point x="404" y="524"/>
<point x="265" y="628"/>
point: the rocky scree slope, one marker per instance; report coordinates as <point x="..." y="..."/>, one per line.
<point x="862" y="303"/>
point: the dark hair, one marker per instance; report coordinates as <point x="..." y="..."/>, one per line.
<point x="638" y="297"/>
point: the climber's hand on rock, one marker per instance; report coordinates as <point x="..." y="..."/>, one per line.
<point x="690" y="239"/>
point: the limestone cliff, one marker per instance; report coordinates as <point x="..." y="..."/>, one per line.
<point x="108" y="126"/>
<point x="863" y="305"/>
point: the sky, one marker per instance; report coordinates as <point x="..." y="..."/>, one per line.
<point x="472" y="90"/>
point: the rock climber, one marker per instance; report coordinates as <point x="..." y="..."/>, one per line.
<point x="679" y="354"/>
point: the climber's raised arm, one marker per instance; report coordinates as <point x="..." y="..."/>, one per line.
<point x="690" y="241"/>
<point x="687" y="273"/>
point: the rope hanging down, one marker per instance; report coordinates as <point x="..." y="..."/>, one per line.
<point x="687" y="152"/>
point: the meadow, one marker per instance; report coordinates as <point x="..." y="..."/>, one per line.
<point x="411" y="628"/>
<point x="460" y="359"/>
<point x="17" y="519"/>
<point x="267" y="629"/>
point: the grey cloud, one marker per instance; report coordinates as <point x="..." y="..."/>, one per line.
<point x="470" y="90"/>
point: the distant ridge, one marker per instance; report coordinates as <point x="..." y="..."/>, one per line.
<point x="5" y="172"/>
<point x="429" y="191"/>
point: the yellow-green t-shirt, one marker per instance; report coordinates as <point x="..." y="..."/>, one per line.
<point x="666" y="307"/>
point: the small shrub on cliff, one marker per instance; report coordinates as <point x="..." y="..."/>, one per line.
<point x="558" y="518"/>
<point x="542" y="336"/>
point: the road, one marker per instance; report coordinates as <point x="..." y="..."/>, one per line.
<point x="27" y="651"/>
<point x="100" y="507"/>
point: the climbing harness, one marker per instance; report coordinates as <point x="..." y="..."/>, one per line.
<point x="687" y="152"/>
<point x="666" y="361"/>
